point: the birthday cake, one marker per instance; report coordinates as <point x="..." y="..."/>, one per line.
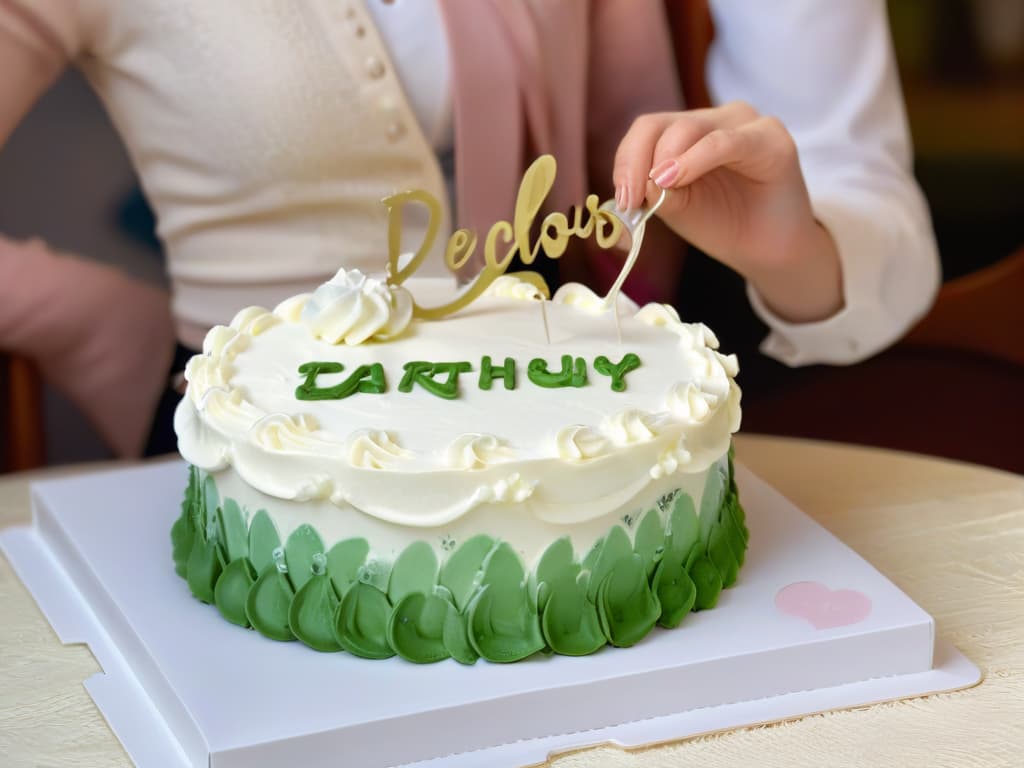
<point x="494" y="478"/>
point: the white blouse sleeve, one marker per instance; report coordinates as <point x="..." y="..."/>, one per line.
<point x="826" y="69"/>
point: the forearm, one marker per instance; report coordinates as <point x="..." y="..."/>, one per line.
<point x="101" y="338"/>
<point x="805" y="283"/>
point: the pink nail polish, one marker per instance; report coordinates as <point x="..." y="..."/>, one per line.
<point x="665" y="173"/>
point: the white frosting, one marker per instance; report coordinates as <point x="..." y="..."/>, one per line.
<point x="555" y="457"/>
<point x="511" y="287"/>
<point x="351" y="308"/>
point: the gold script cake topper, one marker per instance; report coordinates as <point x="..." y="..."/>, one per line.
<point x="556" y="230"/>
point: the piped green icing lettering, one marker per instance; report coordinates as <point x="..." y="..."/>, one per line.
<point x="267" y="604"/>
<point x="423" y="373"/>
<point x="368" y="379"/>
<point x="489" y="372"/>
<point x="311" y="615"/>
<point x="232" y="590"/>
<point x="361" y="622"/>
<point x="617" y="371"/>
<point x="573" y="373"/>
<point x="416" y="628"/>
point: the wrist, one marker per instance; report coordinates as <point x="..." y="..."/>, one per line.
<point x="804" y="284"/>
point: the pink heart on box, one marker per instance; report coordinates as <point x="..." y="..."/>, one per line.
<point x="822" y="607"/>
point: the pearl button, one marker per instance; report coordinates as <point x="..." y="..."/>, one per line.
<point x="395" y="131"/>
<point x="374" y="67"/>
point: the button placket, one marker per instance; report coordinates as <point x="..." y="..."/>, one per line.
<point x="375" y="68"/>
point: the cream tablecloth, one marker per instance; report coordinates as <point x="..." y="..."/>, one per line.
<point x="950" y="535"/>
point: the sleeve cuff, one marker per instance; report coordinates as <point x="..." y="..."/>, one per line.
<point x="871" y="318"/>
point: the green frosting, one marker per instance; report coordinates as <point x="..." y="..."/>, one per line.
<point x="460" y="571"/>
<point x="707" y="580"/>
<point x="489" y="372"/>
<point x="415" y="568"/>
<point x="649" y="540"/>
<point x="204" y="567"/>
<point x="233" y="530"/>
<point x="232" y="590"/>
<point x="570" y="621"/>
<point x="625" y="604"/>
<point x="573" y="374"/>
<point x="416" y="628"/>
<point x="268" y="602"/>
<point x="184" y="530"/>
<point x="456" y="636"/>
<point x="423" y="373"/>
<point x="503" y="624"/>
<point x="617" y="371"/>
<point x="302" y="547"/>
<point x="674" y="589"/>
<point x="720" y="553"/>
<point x="683" y="530"/>
<point x="368" y="379"/>
<point x="557" y="564"/>
<point x="311" y="615"/>
<point x="361" y="622"/>
<point x="480" y="601"/>
<point x="615" y="546"/>
<point x="344" y="561"/>
<point x="263" y="541"/>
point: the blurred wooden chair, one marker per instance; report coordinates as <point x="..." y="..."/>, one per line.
<point x="23" y="424"/>
<point x="982" y="312"/>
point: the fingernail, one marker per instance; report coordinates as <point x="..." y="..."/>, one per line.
<point x="620" y="198"/>
<point x="665" y="173"/>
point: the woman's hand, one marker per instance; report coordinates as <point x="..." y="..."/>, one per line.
<point x="737" y="194"/>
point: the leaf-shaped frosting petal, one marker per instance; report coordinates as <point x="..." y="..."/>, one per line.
<point x="311" y="615"/>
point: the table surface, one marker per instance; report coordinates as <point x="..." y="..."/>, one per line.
<point x="950" y="535"/>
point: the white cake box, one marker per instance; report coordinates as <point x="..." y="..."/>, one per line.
<point x="183" y="687"/>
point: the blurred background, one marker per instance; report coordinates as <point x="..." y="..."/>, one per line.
<point x="954" y="387"/>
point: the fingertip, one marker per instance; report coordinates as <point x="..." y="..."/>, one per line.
<point x="665" y="173"/>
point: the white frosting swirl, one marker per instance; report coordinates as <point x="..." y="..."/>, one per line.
<point x="579" y="442"/>
<point x="580" y="297"/>
<point x="512" y="287"/>
<point x="691" y="404"/>
<point x="632" y="426"/>
<point x="351" y="308"/>
<point x="374" y="449"/>
<point x="475" y="451"/>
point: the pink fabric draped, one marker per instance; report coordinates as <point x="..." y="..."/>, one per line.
<point x="566" y="78"/>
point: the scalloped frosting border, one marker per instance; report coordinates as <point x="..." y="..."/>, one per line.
<point x="480" y="601"/>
